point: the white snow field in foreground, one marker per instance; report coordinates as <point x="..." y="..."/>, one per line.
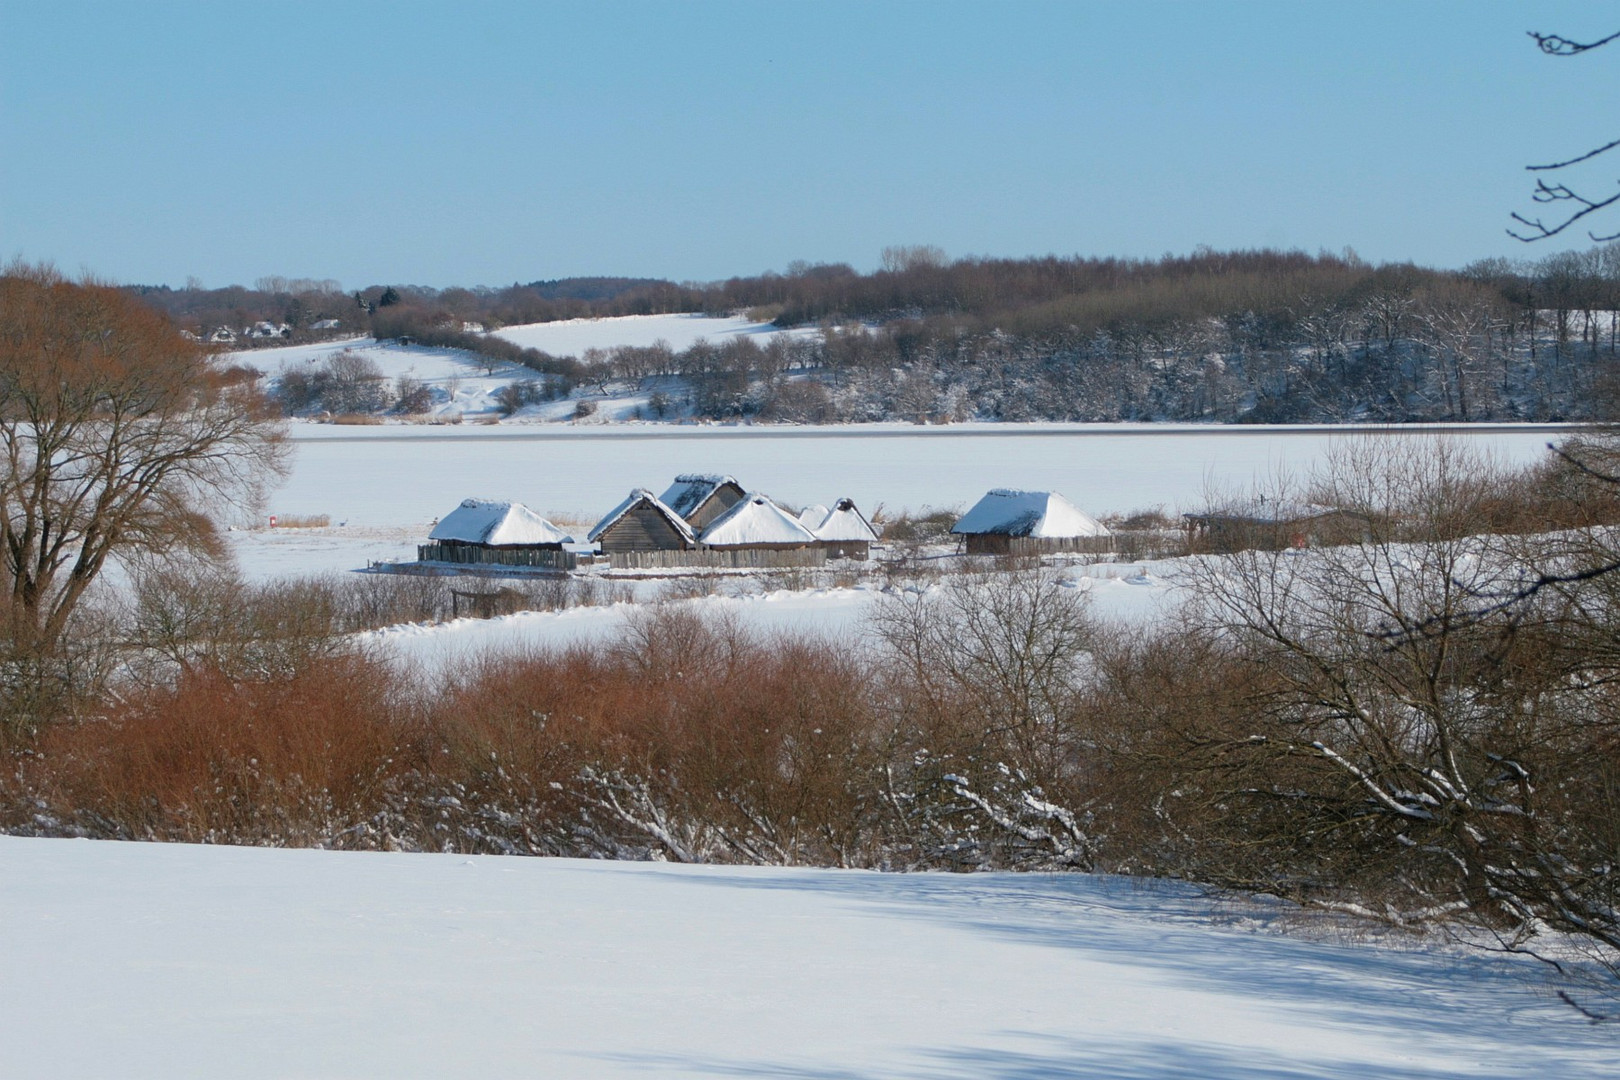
<point x="175" y="961"/>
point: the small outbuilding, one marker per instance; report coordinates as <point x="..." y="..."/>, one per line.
<point x="486" y="523"/>
<point x="700" y="498"/>
<point x="1271" y="525"/>
<point x="759" y="524"/>
<point x="643" y="522"/>
<point x="1008" y="522"/>
<point x="843" y="531"/>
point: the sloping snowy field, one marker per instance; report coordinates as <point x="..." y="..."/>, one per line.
<point x="174" y="961"/>
<point x="571" y="337"/>
<point x="463" y="387"/>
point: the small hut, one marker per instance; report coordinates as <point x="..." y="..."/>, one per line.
<point x="643" y="522"/>
<point x="1271" y="525"/>
<point x="487" y="523"/>
<point x="1007" y="522"/>
<point x="759" y="524"/>
<point x="700" y="498"/>
<point x="844" y="531"/>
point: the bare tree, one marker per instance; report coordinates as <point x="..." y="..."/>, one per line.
<point x="117" y="436"/>
<point x="1572" y="204"/>
<point x="1420" y="735"/>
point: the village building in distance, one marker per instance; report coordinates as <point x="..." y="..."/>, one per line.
<point x="843" y="530"/>
<point x="1271" y="525"/>
<point x="487" y="531"/>
<point x="1008" y="522"/>
<point x="758" y="523"/>
<point x="700" y="498"/>
<point x="643" y="522"/>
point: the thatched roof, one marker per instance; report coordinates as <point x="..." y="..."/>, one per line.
<point x="845" y="524"/>
<point x="497" y="524"/>
<point x="1035" y="514"/>
<point x="756" y="520"/>
<point x="692" y="490"/>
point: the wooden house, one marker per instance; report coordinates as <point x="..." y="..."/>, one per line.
<point x="758" y="524"/>
<point x="1007" y="522"/>
<point x="701" y="498"/>
<point x="843" y="530"/>
<point x="503" y="533"/>
<point x="1271" y="525"/>
<point x="643" y="522"/>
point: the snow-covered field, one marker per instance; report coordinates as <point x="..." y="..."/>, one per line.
<point x="571" y="337"/>
<point x="464" y="387"/>
<point x="174" y="961"/>
<point x="1122" y="592"/>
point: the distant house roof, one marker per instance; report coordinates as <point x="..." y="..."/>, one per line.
<point x="1035" y="514"/>
<point x="811" y="517"/>
<point x="845" y="524"/>
<point x="325" y="324"/>
<point x="756" y="520"/>
<point x="690" y="490"/>
<point x="497" y="524"/>
<point x="636" y="496"/>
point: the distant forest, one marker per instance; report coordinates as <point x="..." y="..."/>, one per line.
<point x="1247" y="336"/>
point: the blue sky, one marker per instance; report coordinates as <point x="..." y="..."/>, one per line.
<point x="439" y="144"/>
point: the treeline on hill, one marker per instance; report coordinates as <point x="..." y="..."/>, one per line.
<point x="1421" y="728"/>
<point x="1258" y="336"/>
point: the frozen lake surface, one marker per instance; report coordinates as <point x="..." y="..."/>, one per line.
<point x="400" y="475"/>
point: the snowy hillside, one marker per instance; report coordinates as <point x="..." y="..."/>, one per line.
<point x="571" y="337"/>
<point x="171" y="961"/>
<point x="464" y="386"/>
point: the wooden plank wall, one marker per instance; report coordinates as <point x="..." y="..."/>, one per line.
<point x="746" y="558"/>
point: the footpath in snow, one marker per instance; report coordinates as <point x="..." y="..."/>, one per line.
<point x="175" y="961"/>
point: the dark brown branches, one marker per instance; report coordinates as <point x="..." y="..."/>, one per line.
<point x="1554" y="45"/>
<point x="1576" y="206"/>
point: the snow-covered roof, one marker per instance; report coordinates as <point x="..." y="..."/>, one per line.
<point x="485" y="521"/>
<point x="846" y="524"/>
<point x="689" y="491"/>
<point x="811" y="517"/>
<point x="756" y="520"/>
<point x="1039" y="514"/>
<point x="636" y="496"/>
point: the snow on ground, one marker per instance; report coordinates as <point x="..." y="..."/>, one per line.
<point x="389" y="476"/>
<point x="1117" y="592"/>
<point x="174" y="961"/>
<point x="571" y="337"/>
<point x="263" y="553"/>
<point x="462" y="385"/>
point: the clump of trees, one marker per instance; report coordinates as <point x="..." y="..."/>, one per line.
<point x="117" y="437"/>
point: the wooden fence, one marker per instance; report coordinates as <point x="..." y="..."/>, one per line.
<point x="465" y="555"/>
<point x="746" y="558"/>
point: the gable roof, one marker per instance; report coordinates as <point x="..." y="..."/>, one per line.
<point x="811" y="517"/>
<point x="486" y="521"/>
<point x="691" y="490"/>
<point x="675" y="520"/>
<point x="757" y="520"/>
<point x="1038" y="514"/>
<point x="846" y="524"/>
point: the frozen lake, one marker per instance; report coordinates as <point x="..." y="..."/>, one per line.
<point x="399" y="475"/>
